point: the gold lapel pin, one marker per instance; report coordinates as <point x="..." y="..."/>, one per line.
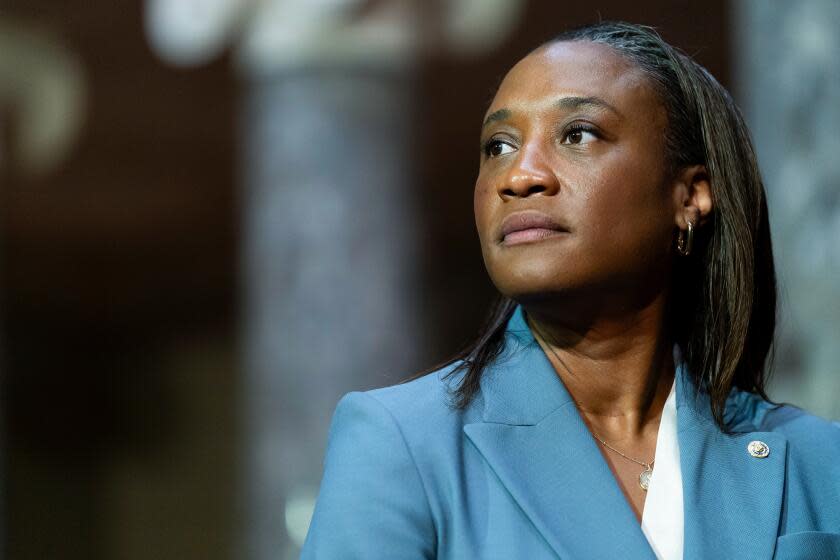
<point x="758" y="449"/>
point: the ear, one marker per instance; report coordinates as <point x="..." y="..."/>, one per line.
<point x="692" y="196"/>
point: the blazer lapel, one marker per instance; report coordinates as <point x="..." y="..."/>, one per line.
<point x="732" y="500"/>
<point x="534" y="439"/>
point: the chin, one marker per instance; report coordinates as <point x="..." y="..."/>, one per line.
<point x="526" y="269"/>
<point x="530" y="283"/>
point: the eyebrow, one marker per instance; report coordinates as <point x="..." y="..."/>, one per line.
<point x="500" y="115"/>
<point x="570" y="103"/>
<point x="566" y="103"/>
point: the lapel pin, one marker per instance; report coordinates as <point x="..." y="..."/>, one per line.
<point x="758" y="449"/>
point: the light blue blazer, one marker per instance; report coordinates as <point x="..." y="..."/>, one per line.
<point x="517" y="475"/>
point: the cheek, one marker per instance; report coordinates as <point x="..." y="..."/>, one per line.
<point x="628" y="211"/>
<point x="481" y="206"/>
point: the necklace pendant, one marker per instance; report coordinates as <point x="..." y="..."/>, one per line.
<point x="644" y="478"/>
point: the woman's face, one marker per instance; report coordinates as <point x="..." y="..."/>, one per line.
<point x="572" y="192"/>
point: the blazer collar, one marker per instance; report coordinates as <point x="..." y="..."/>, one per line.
<point x="534" y="439"/>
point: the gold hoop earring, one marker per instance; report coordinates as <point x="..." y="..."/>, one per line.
<point x="685" y="240"/>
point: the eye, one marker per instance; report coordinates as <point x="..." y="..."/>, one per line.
<point x="496" y="147"/>
<point x="579" y="134"/>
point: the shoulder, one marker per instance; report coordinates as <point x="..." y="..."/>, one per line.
<point x="751" y="411"/>
<point x="421" y="410"/>
<point x="406" y="411"/>
<point x="415" y="418"/>
<point x="419" y="413"/>
<point x="374" y="493"/>
<point x="799" y="424"/>
<point x="812" y="484"/>
<point x="811" y="440"/>
<point x="397" y="408"/>
<point x="427" y="398"/>
<point x="807" y="434"/>
<point x="793" y="422"/>
<point x="414" y="424"/>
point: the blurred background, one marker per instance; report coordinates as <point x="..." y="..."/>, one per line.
<point x="218" y="216"/>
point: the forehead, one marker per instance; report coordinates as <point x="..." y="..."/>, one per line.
<point x="579" y="68"/>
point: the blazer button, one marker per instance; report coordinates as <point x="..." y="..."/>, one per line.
<point x="758" y="449"/>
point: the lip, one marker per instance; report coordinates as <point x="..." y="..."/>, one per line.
<point x="529" y="225"/>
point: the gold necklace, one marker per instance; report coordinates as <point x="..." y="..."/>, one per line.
<point x="644" y="476"/>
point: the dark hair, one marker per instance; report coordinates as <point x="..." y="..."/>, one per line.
<point x="723" y="312"/>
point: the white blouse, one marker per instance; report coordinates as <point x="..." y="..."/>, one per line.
<point x="662" y="517"/>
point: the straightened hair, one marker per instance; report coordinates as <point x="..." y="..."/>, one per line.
<point x="724" y="299"/>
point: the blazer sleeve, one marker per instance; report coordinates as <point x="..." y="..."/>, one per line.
<point x="372" y="503"/>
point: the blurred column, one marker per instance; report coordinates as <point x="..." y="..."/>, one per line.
<point x="331" y="261"/>
<point x="788" y="81"/>
<point x="331" y="272"/>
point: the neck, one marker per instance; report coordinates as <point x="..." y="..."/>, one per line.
<point x="619" y="369"/>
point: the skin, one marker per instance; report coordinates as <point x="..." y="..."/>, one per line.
<point x="577" y="132"/>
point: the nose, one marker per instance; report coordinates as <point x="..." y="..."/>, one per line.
<point x="528" y="175"/>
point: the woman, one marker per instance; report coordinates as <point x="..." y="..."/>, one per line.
<point x="614" y="406"/>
